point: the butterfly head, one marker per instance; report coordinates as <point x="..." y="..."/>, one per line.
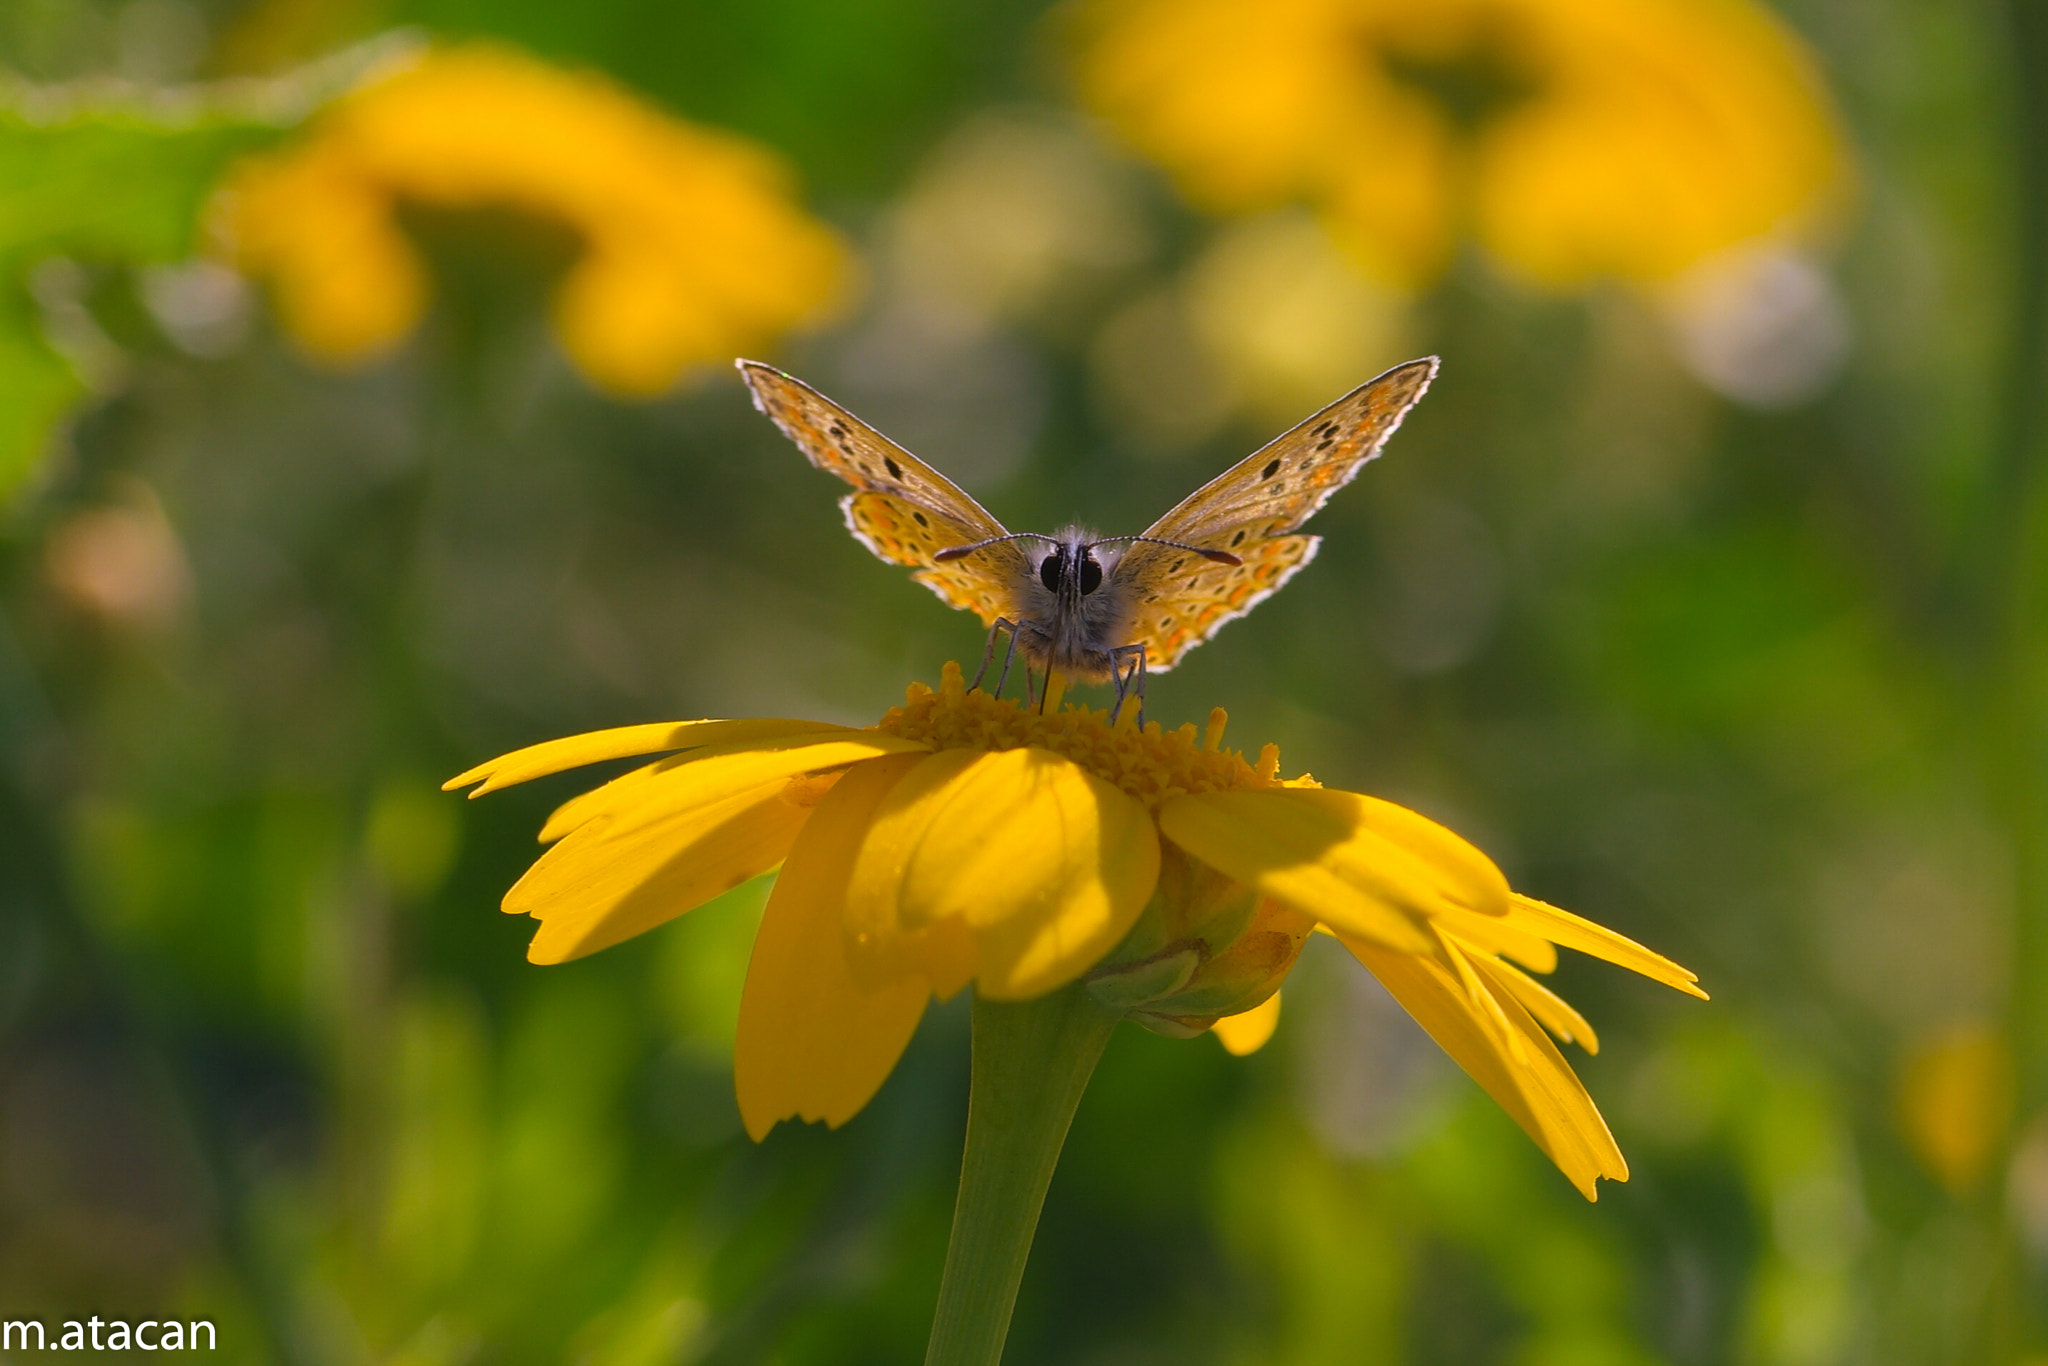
<point x="1070" y="570"/>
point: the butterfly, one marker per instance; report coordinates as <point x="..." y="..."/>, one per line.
<point x="1097" y="607"/>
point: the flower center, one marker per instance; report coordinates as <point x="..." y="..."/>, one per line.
<point x="1151" y="764"/>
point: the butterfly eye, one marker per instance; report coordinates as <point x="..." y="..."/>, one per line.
<point x="1049" y="570"/>
<point x="1091" y="576"/>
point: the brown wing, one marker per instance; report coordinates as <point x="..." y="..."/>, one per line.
<point x="903" y="531"/>
<point x="903" y="510"/>
<point x="1250" y="510"/>
<point x="1182" y="599"/>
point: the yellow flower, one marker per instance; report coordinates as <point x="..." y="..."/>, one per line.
<point x="967" y="840"/>
<point x="1571" y="138"/>
<point x="689" y="245"/>
<point x="1955" y="1102"/>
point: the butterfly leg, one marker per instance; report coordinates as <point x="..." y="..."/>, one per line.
<point x="1128" y="682"/>
<point x="1009" y="658"/>
<point x="988" y="654"/>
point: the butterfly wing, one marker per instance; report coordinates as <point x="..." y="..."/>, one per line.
<point x="901" y="508"/>
<point x="1251" y="510"/>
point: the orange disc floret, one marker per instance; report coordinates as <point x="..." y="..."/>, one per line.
<point x="1149" y="763"/>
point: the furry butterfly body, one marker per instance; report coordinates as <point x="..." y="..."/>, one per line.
<point x="1074" y="611"/>
<point x="1093" y="607"/>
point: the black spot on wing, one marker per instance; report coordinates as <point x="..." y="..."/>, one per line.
<point x="895" y="470"/>
<point x="1272" y="468"/>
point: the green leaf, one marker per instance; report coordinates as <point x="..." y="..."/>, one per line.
<point x="114" y="186"/>
<point x="37" y="386"/>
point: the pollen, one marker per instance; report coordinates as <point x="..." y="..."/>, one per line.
<point x="1151" y="763"/>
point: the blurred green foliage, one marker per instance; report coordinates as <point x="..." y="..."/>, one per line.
<point x="1727" y="677"/>
<point x="97" y="187"/>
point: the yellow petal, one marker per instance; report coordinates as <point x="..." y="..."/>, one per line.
<point x="1538" y="1089"/>
<point x="574" y="751"/>
<point x="585" y="807"/>
<point x="1248" y="1031"/>
<point x="590" y="892"/>
<point x="1574" y="932"/>
<point x="666" y="810"/>
<point x="880" y="946"/>
<point x="650" y="791"/>
<point x="812" y="1042"/>
<point x="1552" y="1011"/>
<point x="1484" y="1002"/>
<point x="1495" y="934"/>
<point x="1366" y="867"/>
<point x="1045" y="864"/>
<point x="674" y="840"/>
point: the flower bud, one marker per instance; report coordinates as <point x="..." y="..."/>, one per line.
<point x="1205" y="947"/>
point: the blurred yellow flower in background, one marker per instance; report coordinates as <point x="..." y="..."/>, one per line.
<point x="689" y="244"/>
<point x="1571" y="139"/>
<point x="969" y="840"/>
<point x="1955" y="1103"/>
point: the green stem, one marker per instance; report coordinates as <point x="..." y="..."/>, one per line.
<point x="2020" y="485"/>
<point x="2016" y="594"/>
<point x="1032" y="1061"/>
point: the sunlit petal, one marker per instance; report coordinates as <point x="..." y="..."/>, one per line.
<point x="1044" y="863"/>
<point x="574" y="751"/>
<point x="710" y="772"/>
<point x="590" y="892"/>
<point x="674" y="840"/>
<point x="813" y="1043"/>
<point x="1248" y="1031"/>
<point x="1497" y="934"/>
<point x="671" y="808"/>
<point x="1575" y="932"/>
<point x="1362" y="865"/>
<point x="1538" y="1088"/>
<point x="1550" y="1009"/>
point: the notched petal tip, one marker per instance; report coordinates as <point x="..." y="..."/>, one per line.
<point x="1503" y="1048"/>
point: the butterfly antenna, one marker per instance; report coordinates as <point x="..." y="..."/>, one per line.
<point x="1219" y="556"/>
<point x="956" y="552"/>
